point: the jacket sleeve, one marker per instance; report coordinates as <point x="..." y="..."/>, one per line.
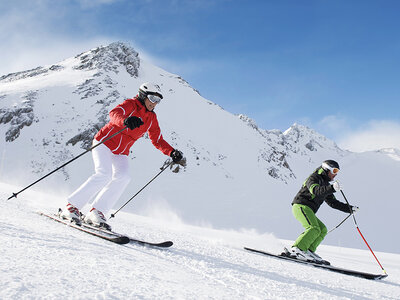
<point x="314" y="187"/>
<point x="336" y="204"/>
<point x="121" y="112"/>
<point x="157" y="138"/>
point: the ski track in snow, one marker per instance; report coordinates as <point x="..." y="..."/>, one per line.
<point x="41" y="259"/>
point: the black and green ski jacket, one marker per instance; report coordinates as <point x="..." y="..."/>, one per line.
<point x="317" y="189"/>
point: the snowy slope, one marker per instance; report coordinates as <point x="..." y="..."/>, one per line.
<point x="41" y="259"/>
<point x="238" y="175"/>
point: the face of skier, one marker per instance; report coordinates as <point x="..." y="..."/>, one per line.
<point x="331" y="175"/>
<point x="149" y="105"/>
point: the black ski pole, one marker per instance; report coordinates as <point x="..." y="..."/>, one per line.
<point x="358" y="229"/>
<point x="163" y="168"/>
<point x="55" y="170"/>
<point x="340" y="223"/>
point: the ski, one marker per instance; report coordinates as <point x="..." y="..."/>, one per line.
<point x="326" y="267"/>
<point x="109" y="236"/>
<point x="165" y="244"/>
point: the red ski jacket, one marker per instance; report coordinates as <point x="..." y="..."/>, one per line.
<point x="121" y="143"/>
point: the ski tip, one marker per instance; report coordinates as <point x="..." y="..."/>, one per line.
<point x="167" y="244"/>
<point x="382" y="276"/>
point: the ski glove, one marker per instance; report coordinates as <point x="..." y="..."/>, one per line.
<point x="176" y="156"/>
<point x="336" y="186"/>
<point x="133" y="122"/>
<point x="354" y="208"/>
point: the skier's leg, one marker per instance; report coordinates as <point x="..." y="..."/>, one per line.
<point x="102" y="158"/>
<point x="319" y="239"/>
<point x="110" y="194"/>
<point x="307" y="218"/>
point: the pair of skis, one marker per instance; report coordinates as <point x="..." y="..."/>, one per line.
<point x="326" y="267"/>
<point x="104" y="234"/>
<point x="123" y="239"/>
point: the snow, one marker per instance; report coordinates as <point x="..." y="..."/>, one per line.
<point x="67" y="76"/>
<point x="41" y="259"/>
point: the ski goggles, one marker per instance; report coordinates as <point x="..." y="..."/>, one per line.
<point x="154" y="99"/>
<point x="334" y="171"/>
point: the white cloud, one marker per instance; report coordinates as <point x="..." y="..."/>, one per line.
<point x="332" y="126"/>
<point x="31" y="36"/>
<point x="333" y="123"/>
<point x="46" y="51"/>
<point x="374" y="135"/>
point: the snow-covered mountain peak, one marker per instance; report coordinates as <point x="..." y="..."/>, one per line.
<point x="299" y="135"/>
<point x="110" y="58"/>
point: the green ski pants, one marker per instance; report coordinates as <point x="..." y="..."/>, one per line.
<point x="314" y="232"/>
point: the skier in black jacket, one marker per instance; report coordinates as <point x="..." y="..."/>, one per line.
<point x="315" y="190"/>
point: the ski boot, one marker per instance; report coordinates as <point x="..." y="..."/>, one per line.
<point x="70" y="213"/>
<point x="97" y="219"/>
<point x="299" y="254"/>
<point x="318" y="258"/>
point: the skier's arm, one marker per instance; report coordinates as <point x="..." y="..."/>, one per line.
<point x="121" y="112"/>
<point x="336" y="204"/>
<point x="157" y="138"/>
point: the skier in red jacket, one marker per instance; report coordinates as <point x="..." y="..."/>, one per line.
<point x="111" y="158"/>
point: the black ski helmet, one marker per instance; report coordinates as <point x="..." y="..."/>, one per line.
<point x="330" y="165"/>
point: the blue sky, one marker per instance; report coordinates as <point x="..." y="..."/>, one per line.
<point x="331" y="65"/>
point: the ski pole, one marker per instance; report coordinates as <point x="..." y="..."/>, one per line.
<point x="163" y="168"/>
<point x="90" y="149"/>
<point x="358" y="229"/>
<point x="339" y="223"/>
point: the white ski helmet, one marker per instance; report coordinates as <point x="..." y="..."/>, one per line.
<point x="148" y="89"/>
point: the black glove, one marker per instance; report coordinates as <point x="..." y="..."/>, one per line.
<point x="133" y="122"/>
<point x="176" y="156"/>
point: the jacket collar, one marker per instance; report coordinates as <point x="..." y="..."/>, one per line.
<point x="322" y="172"/>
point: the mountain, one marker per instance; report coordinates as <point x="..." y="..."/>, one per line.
<point x="238" y="175"/>
<point x="41" y="259"/>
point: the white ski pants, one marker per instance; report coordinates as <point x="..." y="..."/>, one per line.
<point x="108" y="182"/>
